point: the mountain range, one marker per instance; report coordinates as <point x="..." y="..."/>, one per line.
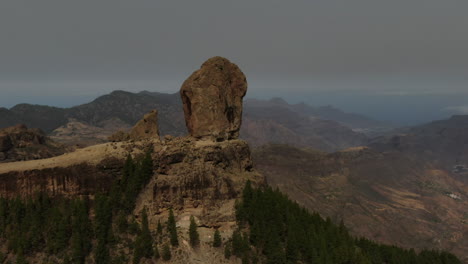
<point x="324" y="128"/>
<point x="409" y="189"/>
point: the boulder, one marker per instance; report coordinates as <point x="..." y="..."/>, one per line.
<point x="212" y="100"/>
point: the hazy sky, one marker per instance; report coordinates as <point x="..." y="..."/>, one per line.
<point x="63" y="52"/>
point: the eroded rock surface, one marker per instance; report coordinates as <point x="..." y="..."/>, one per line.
<point x="75" y="180"/>
<point x="200" y="177"/>
<point x="212" y="100"/>
<point x="146" y="128"/>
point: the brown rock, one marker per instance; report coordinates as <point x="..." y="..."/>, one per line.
<point x="146" y="127"/>
<point x="119" y="136"/>
<point x="212" y="100"/>
<point x="206" y="175"/>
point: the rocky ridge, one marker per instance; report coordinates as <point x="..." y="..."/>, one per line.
<point x="20" y="143"/>
<point x="299" y="125"/>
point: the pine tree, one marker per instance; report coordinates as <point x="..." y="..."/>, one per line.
<point x="144" y="241"/>
<point x="103" y="220"/>
<point x="147" y="167"/>
<point x="172" y="229"/>
<point x="58" y="234"/>
<point x="81" y="232"/>
<point x="159" y="229"/>
<point x="20" y="259"/>
<point x="77" y="249"/>
<point x="146" y="238"/>
<point x="166" y="254"/>
<point x="227" y="251"/>
<point x="217" y="239"/>
<point x="122" y="224"/>
<point x="193" y="233"/>
<point x="246" y="259"/>
<point x="137" y="254"/>
<point x="237" y="243"/>
<point x="101" y="255"/>
<point x="3" y="215"/>
<point x="156" y="252"/>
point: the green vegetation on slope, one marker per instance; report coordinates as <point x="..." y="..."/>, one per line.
<point x="278" y="230"/>
<point x="65" y="229"/>
<point x="272" y="229"/>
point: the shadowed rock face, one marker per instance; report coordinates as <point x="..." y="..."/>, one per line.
<point x="76" y="180"/>
<point x="212" y="100"/>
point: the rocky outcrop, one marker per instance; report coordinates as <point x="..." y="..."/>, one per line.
<point x="146" y="128"/>
<point x="186" y="171"/>
<point x="20" y="143"/>
<point x="199" y="178"/>
<point x="212" y="100"/>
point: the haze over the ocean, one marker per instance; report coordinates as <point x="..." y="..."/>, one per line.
<point x="403" y="61"/>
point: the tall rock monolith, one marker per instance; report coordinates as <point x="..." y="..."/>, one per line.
<point x="212" y="100"/>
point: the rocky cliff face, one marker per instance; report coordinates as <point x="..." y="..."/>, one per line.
<point x="80" y="179"/>
<point x="212" y="100"/>
<point x="201" y="176"/>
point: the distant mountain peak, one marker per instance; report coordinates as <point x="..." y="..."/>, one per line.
<point x="278" y="100"/>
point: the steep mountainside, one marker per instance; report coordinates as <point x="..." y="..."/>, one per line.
<point x="130" y="107"/>
<point x="277" y="124"/>
<point x="116" y="107"/>
<point x="354" y="121"/>
<point x="411" y="190"/>
<point x="443" y="141"/>
<point x="265" y="121"/>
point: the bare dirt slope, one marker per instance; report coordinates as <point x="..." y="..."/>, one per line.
<point x="388" y="197"/>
